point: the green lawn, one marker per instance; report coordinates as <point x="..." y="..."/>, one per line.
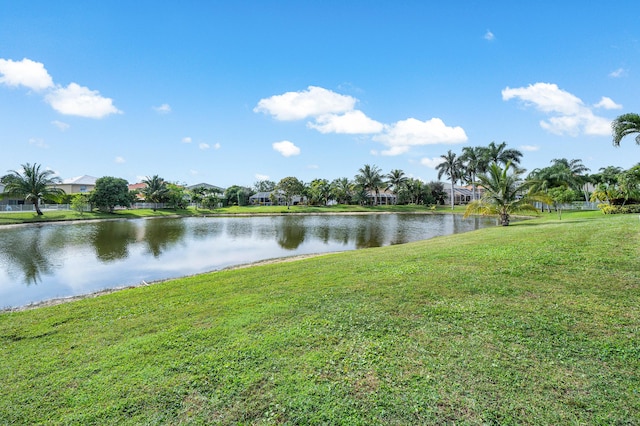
<point x="535" y="323"/>
<point x="68" y="215"/>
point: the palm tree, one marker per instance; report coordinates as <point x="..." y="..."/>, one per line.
<point x="156" y="190"/>
<point x="370" y="179"/>
<point x="578" y="178"/>
<point x="500" y="155"/>
<point x="342" y="190"/>
<point x="472" y="157"/>
<point x="32" y="184"/>
<point x="452" y="167"/>
<point x="504" y="193"/>
<point x="396" y="180"/>
<point x="624" y="125"/>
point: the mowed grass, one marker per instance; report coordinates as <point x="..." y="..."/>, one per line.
<point x="12" y="218"/>
<point x="535" y="323"/>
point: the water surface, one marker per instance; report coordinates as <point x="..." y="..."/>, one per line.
<point x="59" y="260"/>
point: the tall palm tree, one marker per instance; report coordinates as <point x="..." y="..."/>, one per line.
<point x="504" y="193"/>
<point x="396" y="180"/>
<point x="370" y="179"/>
<point x="33" y="185"/>
<point x="472" y="157"/>
<point x="452" y="167"/>
<point x="624" y="125"/>
<point x="156" y="190"/>
<point x="499" y="154"/>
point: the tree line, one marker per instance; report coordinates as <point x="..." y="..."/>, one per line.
<point x="493" y="172"/>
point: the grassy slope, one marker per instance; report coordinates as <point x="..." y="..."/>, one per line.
<point x="535" y="323"/>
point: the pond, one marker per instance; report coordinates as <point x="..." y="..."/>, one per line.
<point x="49" y="261"/>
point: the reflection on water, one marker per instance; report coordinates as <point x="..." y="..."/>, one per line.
<point x="111" y="239"/>
<point x="70" y="259"/>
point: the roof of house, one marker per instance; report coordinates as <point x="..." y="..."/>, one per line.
<point x="81" y="180"/>
<point x="207" y="186"/>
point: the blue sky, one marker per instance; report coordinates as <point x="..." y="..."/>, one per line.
<point x="234" y="92"/>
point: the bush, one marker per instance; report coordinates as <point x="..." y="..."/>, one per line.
<point x="611" y="209"/>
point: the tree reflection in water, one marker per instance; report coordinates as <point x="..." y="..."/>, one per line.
<point x="291" y="232"/>
<point x="161" y="234"/>
<point x="27" y="257"/>
<point x="111" y="240"/>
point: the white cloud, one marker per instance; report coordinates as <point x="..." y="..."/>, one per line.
<point x="529" y="148"/>
<point x="60" y="125"/>
<point x="607" y="103"/>
<point x="432" y="163"/>
<point x="193" y="172"/>
<point x="81" y="101"/>
<point x="120" y="160"/>
<point x="162" y="109"/>
<point x="568" y="113"/>
<point x="186" y="139"/>
<point x="313" y="167"/>
<point x="260" y="177"/>
<point x="404" y="134"/>
<point x="286" y="148"/>
<point x="314" y="101"/>
<point x="39" y="142"/>
<point x="203" y="145"/>
<point x="351" y="122"/>
<point x="620" y="72"/>
<point x="217" y="146"/>
<point x="489" y="36"/>
<point x="26" y="73"/>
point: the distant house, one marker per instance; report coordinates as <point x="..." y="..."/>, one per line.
<point x="382" y="198"/>
<point x="78" y="185"/>
<point x="273" y="198"/>
<point x="461" y="194"/>
<point x="207" y="186"/>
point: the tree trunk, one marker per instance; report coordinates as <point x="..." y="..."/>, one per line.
<point x="504" y="219"/>
<point x="37" y="207"/>
<point x="452" y="195"/>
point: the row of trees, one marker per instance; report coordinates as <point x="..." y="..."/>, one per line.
<point x="490" y="167"/>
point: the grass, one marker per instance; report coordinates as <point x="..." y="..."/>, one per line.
<point x="69" y="215"/>
<point x="535" y="323"/>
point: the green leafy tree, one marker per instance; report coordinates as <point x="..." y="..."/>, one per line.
<point x="623" y="125"/>
<point x="342" y="190"/>
<point x="473" y="161"/>
<point x="176" y="196"/>
<point x="264" y="185"/>
<point x="451" y="166"/>
<point x="197" y="195"/>
<point x="504" y="193"/>
<point x="560" y="196"/>
<point x="396" y="180"/>
<point x="437" y="192"/>
<point x="320" y="191"/>
<point x="499" y="154"/>
<point x="290" y="187"/>
<point x="629" y="184"/>
<point x="155" y="191"/>
<point x="369" y="178"/>
<point x="80" y="203"/>
<point x="110" y="192"/>
<point x="33" y="185"/>
<point x="237" y="195"/>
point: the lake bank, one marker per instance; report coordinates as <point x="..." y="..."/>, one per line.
<point x="63" y="259"/>
<point x="535" y="323"/>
